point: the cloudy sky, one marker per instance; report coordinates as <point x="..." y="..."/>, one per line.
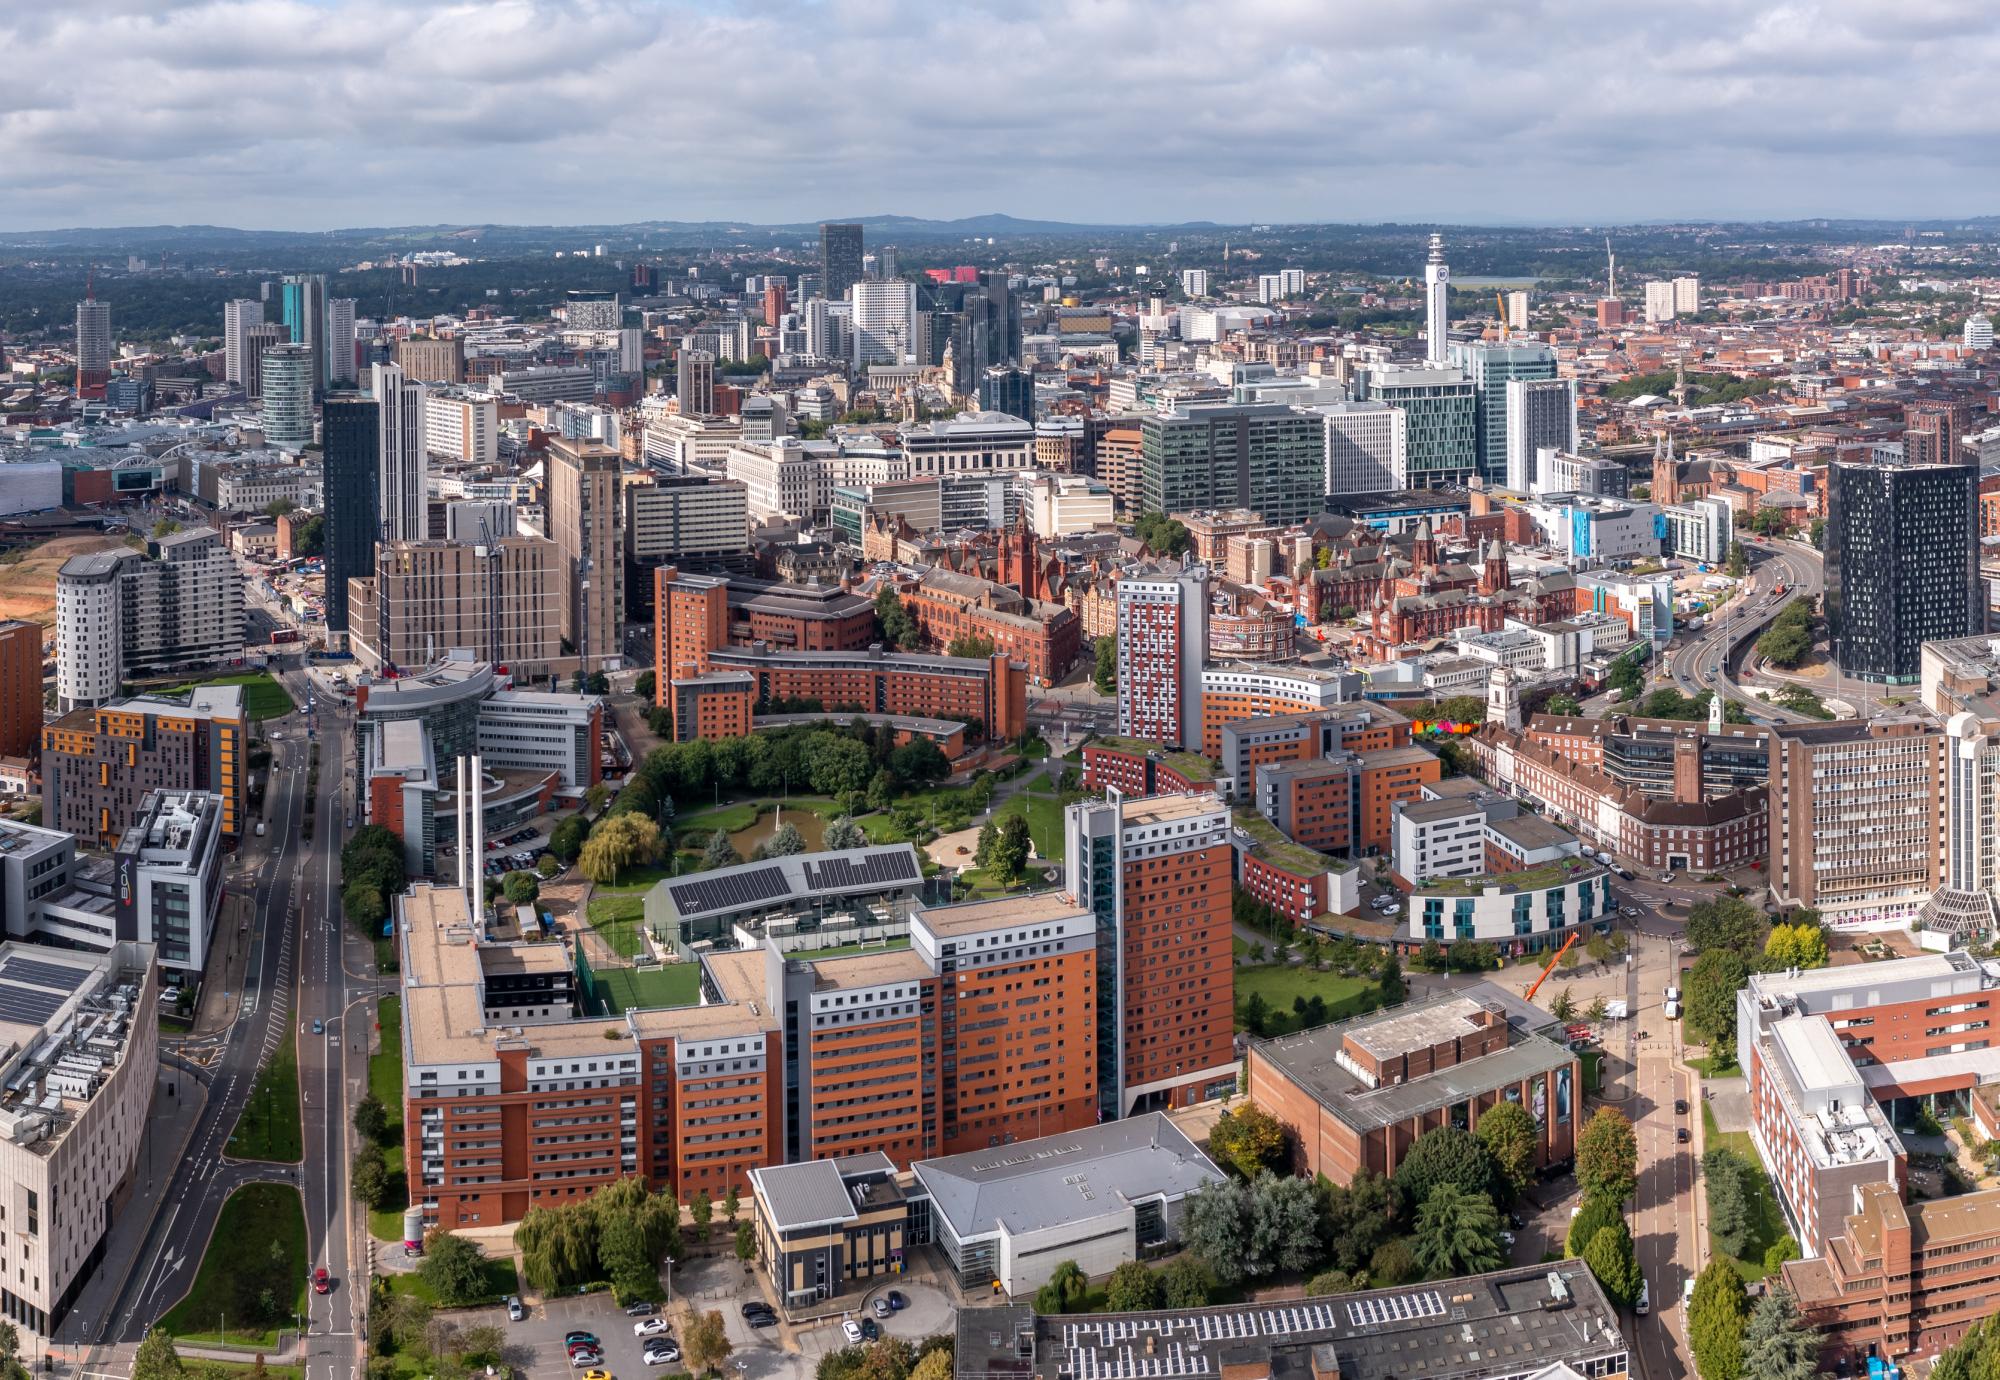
<point x="316" y="114"/>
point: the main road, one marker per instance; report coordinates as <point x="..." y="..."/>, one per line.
<point x="1703" y="660"/>
<point x="298" y="971"/>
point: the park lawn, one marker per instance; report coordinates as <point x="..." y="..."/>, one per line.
<point x="238" y="1260"/>
<point x="1279" y="983"/>
<point x="1045" y="822"/>
<point x="263" y="697"/>
<point x="500" y="1282"/>
<point x="850" y="950"/>
<point x="618" y="909"/>
<point x="385" y="1081"/>
<point x="1768" y="1217"/>
<point x="268" y="1128"/>
<point x="881" y="828"/>
<point x="730" y="818"/>
<point x="1706" y="1066"/>
<point x="1593" y="1070"/>
<point x="234" y="1368"/>
<point x="628" y="989"/>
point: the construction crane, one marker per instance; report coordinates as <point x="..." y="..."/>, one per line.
<point x="1500" y="305"/>
<point x="1536" y="985"/>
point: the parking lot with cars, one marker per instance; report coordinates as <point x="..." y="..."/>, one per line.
<point x="540" y="1338"/>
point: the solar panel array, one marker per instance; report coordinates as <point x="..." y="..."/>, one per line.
<point x="28" y="1005"/>
<point x="1114" y="1350"/>
<point x="730" y="891"/>
<point x="1395" y="1308"/>
<point x="873" y="869"/>
<point x="55" y="975"/>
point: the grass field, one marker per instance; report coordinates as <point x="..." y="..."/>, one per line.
<point x="849" y="950"/>
<point x="1707" y="1067"/>
<point x="1279" y="983"/>
<point x="385" y="1081"/>
<point x="676" y="984"/>
<point x="259" y="1244"/>
<point x="500" y="1282"/>
<point x="1045" y="822"/>
<point x="1764" y="1210"/>
<point x="268" y="1129"/>
<point x="616" y="911"/>
<point x="263" y="697"/>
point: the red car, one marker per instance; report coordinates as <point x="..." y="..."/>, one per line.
<point x="322" y="1281"/>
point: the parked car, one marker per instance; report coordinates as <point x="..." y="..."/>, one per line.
<point x="584" y="1358"/>
<point x="515" y="1312"/>
<point x="1645" y="1304"/>
<point x="661" y="1353"/>
<point x="756" y="1306"/>
<point x="597" y="1375"/>
<point x="642" y="1309"/>
<point x="572" y="1338"/>
<point x="869" y="1329"/>
<point x="897" y="1301"/>
<point x="765" y="1318"/>
<point x="851" y="1330"/>
<point x="650" y="1327"/>
<point x="882" y="1308"/>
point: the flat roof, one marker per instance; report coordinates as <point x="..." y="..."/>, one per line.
<point x="1058" y="1181"/>
<point x="795" y="1196"/>
<point x="870" y="969"/>
<point x="779" y="882"/>
<point x="1814" y="1051"/>
<point x="1164" y="809"/>
<point x="1420" y="1028"/>
<point x="1532" y="831"/>
<point x="999" y="912"/>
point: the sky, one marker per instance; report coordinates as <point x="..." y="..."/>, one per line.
<point x="323" y="114"/>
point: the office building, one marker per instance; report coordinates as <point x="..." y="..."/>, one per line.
<point x="1935" y="431"/>
<point x="1194" y="282"/>
<point x="257" y="341"/>
<point x="93" y="347"/>
<point x="986" y="334"/>
<point x="970" y="441"/>
<point x="1367" y="448"/>
<point x="1494" y="367"/>
<point x="590" y="310"/>
<point x="1005" y="388"/>
<point x="695" y="383"/>
<point x="1659" y="302"/>
<point x="1687" y="294"/>
<point x="1360" y="1092"/>
<point x="169" y="867"/>
<point x="1267" y="457"/>
<point x="428" y="359"/>
<point x="829" y="328"/>
<point x="548" y="383"/>
<point x="461" y="426"/>
<point x="1517" y="911"/>
<point x="1978" y="333"/>
<point x="80" y="1070"/>
<point x="99" y="765"/>
<point x="1558" y="1323"/>
<point x="1155" y="873"/>
<point x="302" y="307"/>
<point x="351" y="470"/>
<point x="1162" y="647"/>
<point x="238" y="316"/>
<point x="1517" y="311"/>
<point x="124" y="614"/>
<point x="287" y="388"/>
<point x="20" y="687"/>
<point x="1437" y="305"/>
<point x="1540" y="415"/>
<point x="341" y="369"/>
<point x="685" y="519"/>
<point x="884" y="322"/>
<point x="1902" y="564"/>
<point x="400" y="453"/>
<point x="585" y="520"/>
<point x="839" y="260"/>
<point x="1856" y="815"/>
<point x="1440" y="407"/>
<point x="503" y="601"/>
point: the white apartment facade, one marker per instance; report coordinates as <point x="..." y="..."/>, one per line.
<point x="1367" y="448"/>
<point x="462" y="426"/>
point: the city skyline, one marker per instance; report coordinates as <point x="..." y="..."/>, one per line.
<point x="1572" y="115"/>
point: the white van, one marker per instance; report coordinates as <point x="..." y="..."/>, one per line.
<point x="1645" y="1304"/>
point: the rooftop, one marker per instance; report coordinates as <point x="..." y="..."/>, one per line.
<point x="1547" y="874"/>
<point x="1061" y="1180"/>
<point x="1530" y="832"/>
<point x="795" y="1196"/>
<point x="1275" y="848"/>
<point x="1165" y="809"/>
<point x="780" y="882"/>
<point x="1001" y="912"/>
<point x="1192" y="766"/>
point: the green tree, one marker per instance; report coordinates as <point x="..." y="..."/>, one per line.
<point x="368" y="1178"/>
<point x="621" y="1249"/>
<point x="1186" y="1283"/>
<point x="1358" y="1217"/>
<point x="309" y="536"/>
<point x="1563" y="1006"/>
<point x="165" y="527"/>
<point x="1726" y="922"/>
<point x="746" y="1242"/>
<point x="1255" y="1014"/>
<point x="521" y="888"/>
<point x="1777" y="1343"/>
<point x="1607" y="1156"/>
<point x="899" y="629"/>
<point x="558" y="1246"/>
<point x="1737" y="563"/>
<point x="364" y="906"/>
<point x="705" y="1343"/>
<point x="703" y="1212"/>
<point x="1709" y="1015"/>
<point x="1785" y="644"/>
<point x="1716" y="1317"/>
<point x="843" y="833"/>
<point x="1729" y="1219"/>
<point x="1065" y="1290"/>
<point x="566" y="840"/>
<point x="156" y="1358"/>
<point x="616" y="843"/>
<point x="1784" y="1248"/>
<point x="970" y="645"/>
<point x="1508" y="1132"/>
<point x="785" y="841"/>
<point x="720" y="852"/>
<point x="1132" y="1288"/>
<point x="646" y="685"/>
<point x="1389" y="988"/>
<point x="1247" y="1231"/>
<point x="1104" y="674"/>
<point x="1593" y="1216"/>
<point x="1445" y="1155"/>
<point x="1613" y="1261"/>
<point x="1392" y="1264"/>
<point x="371" y="1118"/>
<point x="1163" y="535"/>
<point x="1330" y="1282"/>
<point x="1249" y="1140"/>
<point x="1010" y="852"/>
<point x="1564" y="706"/>
<point x="731" y="1205"/>
<point x="1817" y="533"/>
<point x="1456" y="1232"/>
<point x="454" y="1269"/>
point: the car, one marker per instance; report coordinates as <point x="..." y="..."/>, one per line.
<point x="515" y="1312"/>
<point x="766" y="1318"/>
<point x="882" y="1309"/>
<point x="319" y="1026"/>
<point x="851" y="1330"/>
<point x="322" y="1281"/>
<point x="350" y="821"/>
<point x="756" y="1306"/>
<point x="869" y="1329"/>
<point x="644" y="1308"/>
<point x="1629" y="912"/>
<point x="1687" y="1289"/>
<point x="1680" y="1135"/>
<point x="650" y="1327"/>
<point x="661" y="1353"/>
<point x="576" y="1349"/>
<point x="597" y="1375"/>
<point x="1645" y="1303"/>
<point x="897" y="1301"/>
<point x="572" y="1338"/>
<point x="1680" y="1106"/>
<point x="583" y="1358"/>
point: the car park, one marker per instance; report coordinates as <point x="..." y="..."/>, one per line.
<point x="641" y="1309"/>
<point x="851" y="1330"/>
<point x="650" y="1327"/>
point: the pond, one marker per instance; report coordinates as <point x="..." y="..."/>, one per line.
<point x="805" y="821"/>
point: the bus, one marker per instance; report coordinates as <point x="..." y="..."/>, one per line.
<point x="280" y="635"/>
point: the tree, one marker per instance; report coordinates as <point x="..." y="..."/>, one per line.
<point x="1716" y="1316"/>
<point x="1359" y="1217"/>
<point x="1445" y="1155"/>
<point x="1817" y="533"/>
<point x="1104" y="674"/>
<point x="1709" y="1015"/>
<point x="1777" y="1343"/>
<point x="646" y="685"/>
<point x="309" y="536"/>
<point x="1285" y="1226"/>
<point x="364" y="906"/>
<point x="1392" y="1264"/>
<point x="1728" y="1200"/>
<point x="935" y="1366"/>
<point x="616" y="843"/>
<point x="566" y="840"/>
<point x="970" y="645"/>
<point x="731" y="1205"/>
<point x="1250" y="1140"/>
<point x="1186" y="1283"/>
<point x="919" y="762"/>
<point x="1163" y="535"/>
<point x="1784" y="1248"/>
<point x="899" y="628"/>
<point x="521" y="888"/>
<point x="1456" y="1232"/>
<point x="1737" y="563"/>
<point x="703" y="1212"/>
<point x="1612" y="1259"/>
<point x="705" y="1343"/>
<point x="594" y="797"/>
<point x="1508" y="1132"/>
<point x="1599" y="1008"/>
<point x="1065" y="1290"/>
<point x="1566" y="706"/>
<point x="1329" y="1282"/>
<point x="1785" y="644"/>
<point x="371" y="1118"/>
<point x="1010" y="851"/>
<point x="1607" y="1156"/>
<point x="720" y="852"/>
<point x="1389" y="987"/>
<point x="843" y="833"/>
<point x="1563" y="1006"/>
<point x="1592" y="1217"/>
<point x="785" y="841"/>
<point x="454" y="1269"/>
<point x="165" y="527"/>
<point x="746" y="1242"/>
<point x="368" y="1180"/>
<point x="1132" y="1288"/>
<point x="156" y="1358"/>
<point x="1726" y="922"/>
<point x="1256" y="1015"/>
<point x="1795" y="946"/>
<point x="558" y="1246"/>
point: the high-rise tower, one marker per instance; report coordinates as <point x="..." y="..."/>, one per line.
<point x="93" y="347"/>
<point x="1437" y="295"/>
<point x="399" y="454"/>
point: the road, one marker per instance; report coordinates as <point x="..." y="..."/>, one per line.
<point x="1702" y="661"/>
<point x="296" y="973"/>
<point x="1663" y="1224"/>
